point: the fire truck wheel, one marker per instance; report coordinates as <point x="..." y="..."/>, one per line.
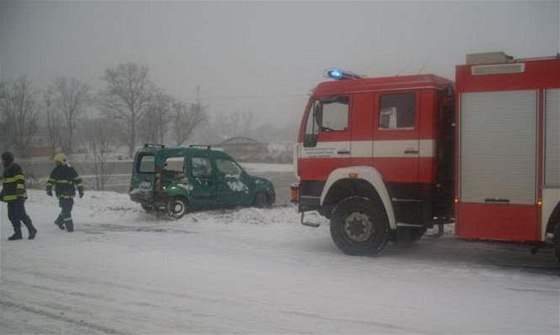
<point x="176" y="208"/>
<point x="359" y="226"/>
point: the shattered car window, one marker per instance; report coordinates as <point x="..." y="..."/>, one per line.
<point x="201" y="167"/>
<point x="228" y="168"/>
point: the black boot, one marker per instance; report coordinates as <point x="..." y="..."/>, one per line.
<point x="16" y="236"/>
<point x="32" y="232"/>
<point x="69" y="226"/>
<point x="59" y="223"/>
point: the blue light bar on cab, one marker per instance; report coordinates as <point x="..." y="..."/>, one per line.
<point x="339" y="74"/>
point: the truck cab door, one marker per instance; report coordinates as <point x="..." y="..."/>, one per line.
<point x="202" y="176"/>
<point x="327" y="138"/>
<point x="396" y="146"/>
<point x="396" y="154"/>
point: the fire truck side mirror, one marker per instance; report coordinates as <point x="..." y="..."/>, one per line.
<point x="449" y="91"/>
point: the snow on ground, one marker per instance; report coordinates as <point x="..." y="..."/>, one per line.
<point x="257" y="271"/>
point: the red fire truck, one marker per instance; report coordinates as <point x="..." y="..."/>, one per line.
<point x="386" y="158"/>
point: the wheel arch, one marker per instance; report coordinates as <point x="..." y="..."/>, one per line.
<point x="553" y="219"/>
<point x="361" y="181"/>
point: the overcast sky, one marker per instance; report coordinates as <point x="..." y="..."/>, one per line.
<point x="263" y="57"/>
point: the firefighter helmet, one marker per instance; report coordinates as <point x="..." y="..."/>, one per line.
<point x="60" y="158"/>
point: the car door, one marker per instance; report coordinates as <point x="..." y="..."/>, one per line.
<point x="231" y="180"/>
<point x="201" y="174"/>
<point x="174" y="173"/>
<point x="143" y="178"/>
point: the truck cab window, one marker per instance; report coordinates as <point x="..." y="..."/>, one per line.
<point x="396" y="111"/>
<point x="334" y="114"/>
<point x="326" y="115"/>
<point x="311" y="126"/>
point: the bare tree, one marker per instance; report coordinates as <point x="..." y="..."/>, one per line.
<point x="18" y="114"/>
<point x="247" y="120"/>
<point x="3" y="126"/>
<point x="126" y="97"/>
<point x="52" y="120"/>
<point x="156" y="122"/>
<point x="72" y="98"/>
<point x="100" y="142"/>
<point x="187" y="119"/>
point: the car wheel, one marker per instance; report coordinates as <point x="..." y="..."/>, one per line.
<point x="176" y="208"/>
<point x="148" y="209"/>
<point x="262" y="200"/>
<point x="359" y="226"/>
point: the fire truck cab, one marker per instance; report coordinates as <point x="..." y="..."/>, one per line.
<point x="375" y="154"/>
<point x="387" y="158"/>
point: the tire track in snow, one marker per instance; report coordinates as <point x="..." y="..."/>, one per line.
<point x="385" y="326"/>
<point x="60" y="317"/>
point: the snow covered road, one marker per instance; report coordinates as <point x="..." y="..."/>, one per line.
<point x="257" y="271"/>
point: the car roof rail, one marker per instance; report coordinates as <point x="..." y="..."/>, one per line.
<point x="151" y="145"/>
<point x="202" y="146"/>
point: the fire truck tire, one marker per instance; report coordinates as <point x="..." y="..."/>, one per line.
<point x="176" y="208"/>
<point x="359" y="226"/>
<point x="556" y="241"/>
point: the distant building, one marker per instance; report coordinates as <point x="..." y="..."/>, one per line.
<point x="44" y="151"/>
<point x="244" y="148"/>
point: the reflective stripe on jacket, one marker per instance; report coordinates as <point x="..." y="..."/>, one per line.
<point x="65" y="179"/>
<point x="13" y="183"/>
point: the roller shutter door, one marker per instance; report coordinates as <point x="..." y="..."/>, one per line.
<point x="498" y="147"/>
<point x="552" y="139"/>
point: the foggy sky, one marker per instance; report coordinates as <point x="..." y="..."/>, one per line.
<point x="263" y="57"/>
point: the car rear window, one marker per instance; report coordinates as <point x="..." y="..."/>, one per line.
<point x="146" y="164"/>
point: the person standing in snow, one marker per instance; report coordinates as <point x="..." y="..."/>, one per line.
<point x="65" y="180"/>
<point x="13" y="192"/>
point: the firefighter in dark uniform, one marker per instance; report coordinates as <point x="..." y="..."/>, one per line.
<point x="65" y="180"/>
<point x="13" y="192"/>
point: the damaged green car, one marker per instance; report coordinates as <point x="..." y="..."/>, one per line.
<point x="183" y="179"/>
